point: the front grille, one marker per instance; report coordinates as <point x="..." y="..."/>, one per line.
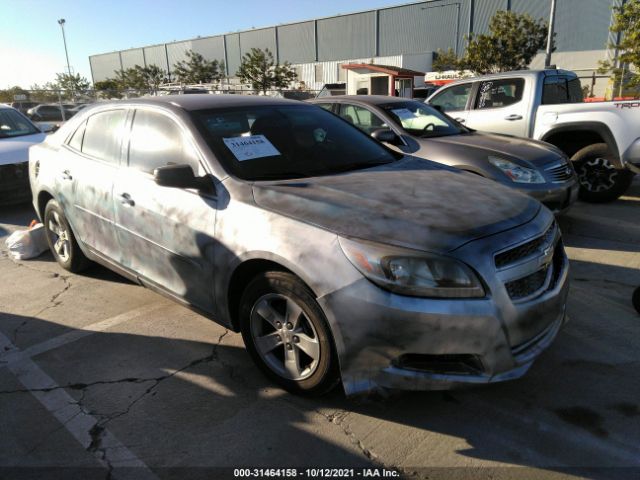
<point x="526" y="286"/>
<point x="445" y="364"/>
<point x="526" y="249"/>
<point x="560" y="173"/>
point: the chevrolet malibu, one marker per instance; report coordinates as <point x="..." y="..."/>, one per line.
<point x="337" y="258"/>
<point x="535" y="168"/>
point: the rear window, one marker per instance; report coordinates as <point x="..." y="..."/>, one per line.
<point x="283" y="141"/>
<point x="103" y="135"/>
<point x="561" y="89"/>
<point x="14" y="124"/>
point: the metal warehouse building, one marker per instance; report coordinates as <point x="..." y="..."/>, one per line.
<point x="402" y="36"/>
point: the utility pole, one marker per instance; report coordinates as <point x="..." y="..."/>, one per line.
<point x="552" y="21"/>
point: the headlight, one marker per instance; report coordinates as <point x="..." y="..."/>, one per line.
<point x="411" y="272"/>
<point x="516" y="173"/>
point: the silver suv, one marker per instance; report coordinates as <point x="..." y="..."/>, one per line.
<point x="335" y="257"/>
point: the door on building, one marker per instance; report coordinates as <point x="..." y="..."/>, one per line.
<point x="404" y="87"/>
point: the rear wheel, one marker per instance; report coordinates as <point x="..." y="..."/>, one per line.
<point x="61" y="240"/>
<point x="286" y="333"/>
<point x="599" y="180"/>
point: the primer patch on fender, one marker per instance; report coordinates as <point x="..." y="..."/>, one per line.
<point x="251" y="147"/>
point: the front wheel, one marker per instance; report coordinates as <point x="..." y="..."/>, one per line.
<point x="599" y="180"/>
<point x="286" y="333"/>
<point x="61" y="240"/>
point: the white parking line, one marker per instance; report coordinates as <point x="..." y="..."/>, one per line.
<point x="12" y="354"/>
<point x="111" y="452"/>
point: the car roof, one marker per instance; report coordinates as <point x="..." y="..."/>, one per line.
<point x="203" y="101"/>
<point x="511" y="74"/>
<point x="370" y="99"/>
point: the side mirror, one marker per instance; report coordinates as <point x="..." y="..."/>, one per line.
<point x="386" y="136"/>
<point x="180" y="176"/>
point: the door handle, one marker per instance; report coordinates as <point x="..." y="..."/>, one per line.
<point x="126" y="199"/>
<point x="460" y="120"/>
<point x="66" y="175"/>
<point x="513" y="117"/>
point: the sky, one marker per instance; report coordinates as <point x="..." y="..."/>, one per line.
<point x="32" y="50"/>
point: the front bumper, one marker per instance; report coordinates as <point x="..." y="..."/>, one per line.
<point x="14" y="183"/>
<point x="398" y="342"/>
<point x="556" y="197"/>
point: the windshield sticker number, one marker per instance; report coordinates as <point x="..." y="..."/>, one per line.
<point x="404" y="113"/>
<point x="251" y="147"/>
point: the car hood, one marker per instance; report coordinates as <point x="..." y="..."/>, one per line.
<point x="16" y="149"/>
<point x="519" y="150"/>
<point x="412" y="203"/>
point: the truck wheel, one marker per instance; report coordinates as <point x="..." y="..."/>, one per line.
<point x="286" y="333"/>
<point x="599" y="180"/>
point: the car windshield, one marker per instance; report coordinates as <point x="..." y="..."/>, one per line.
<point x="14" y="124"/>
<point x="422" y="120"/>
<point x="287" y="141"/>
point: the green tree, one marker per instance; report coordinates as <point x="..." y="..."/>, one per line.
<point x="513" y="40"/>
<point x="7" y="96"/>
<point x="71" y="83"/>
<point x="196" y="69"/>
<point x="444" y="61"/>
<point x="626" y="23"/>
<point x="109" y="88"/>
<point x="259" y="70"/>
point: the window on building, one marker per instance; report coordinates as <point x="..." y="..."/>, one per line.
<point x="156" y="141"/>
<point x="453" y="98"/>
<point x="499" y="93"/>
<point x="103" y="135"/>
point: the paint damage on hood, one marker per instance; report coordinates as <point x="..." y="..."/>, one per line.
<point x="414" y="203"/>
<point x="517" y="150"/>
<point x="16" y="149"/>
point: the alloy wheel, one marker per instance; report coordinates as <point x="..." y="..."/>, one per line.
<point x="597" y="175"/>
<point x="59" y="237"/>
<point x="284" y="337"/>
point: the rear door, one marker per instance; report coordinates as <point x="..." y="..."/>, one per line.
<point x="90" y="162"/>
<point x="166" y="234"/>
<point x="499" y="107"/>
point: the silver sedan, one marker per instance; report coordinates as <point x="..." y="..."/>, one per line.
<point x="529" y="166"/>
<point x="335" y="257"/>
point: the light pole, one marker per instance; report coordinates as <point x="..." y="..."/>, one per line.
<point x="552" y="21"/>
<point x="61" y="22"/>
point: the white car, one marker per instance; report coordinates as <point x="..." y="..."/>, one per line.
<point x="17" y="134"/>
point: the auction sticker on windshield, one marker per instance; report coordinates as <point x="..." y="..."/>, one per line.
<point x="404" y="113"/>
<point x="251" y="147"/>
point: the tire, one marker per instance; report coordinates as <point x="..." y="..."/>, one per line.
<point x="62" y="241"/>
<point x="636" y="299"/>
<point x="290" y="318"/>
<point x="599" y="180"/>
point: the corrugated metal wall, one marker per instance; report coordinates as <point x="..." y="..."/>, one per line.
<point x="156" y="55"/>
<point x="581" y="25"/>
<point x="177" y="52"/>
<point x="263" y="38"/>
<point x="296" y="42"/>
<point x="131" y="58"/>
<point x="103" y="66"/>
<point x="233" y="53"/>
<point x="347" y="36"/>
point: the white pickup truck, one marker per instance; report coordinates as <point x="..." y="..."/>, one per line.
<point x="601" y="138"/>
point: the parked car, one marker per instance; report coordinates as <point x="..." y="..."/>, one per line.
<point x="17" y="134"/>
<point x="335" y="257"/>
<point x="602" y="139"/>
<point x="50" y="112"/>
<point x="411" y="127"/>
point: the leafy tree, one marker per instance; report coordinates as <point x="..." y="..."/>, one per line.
<point x="109" y="88"/>
<point x="513" y="40"/>
<point x="71" y="83"/>
<point x="196" y="69"/>
<point x="626" y="23"/>
<point x="444" y="61"/>
<point x="259" y="70"/>
<point x="6" y="96"/>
